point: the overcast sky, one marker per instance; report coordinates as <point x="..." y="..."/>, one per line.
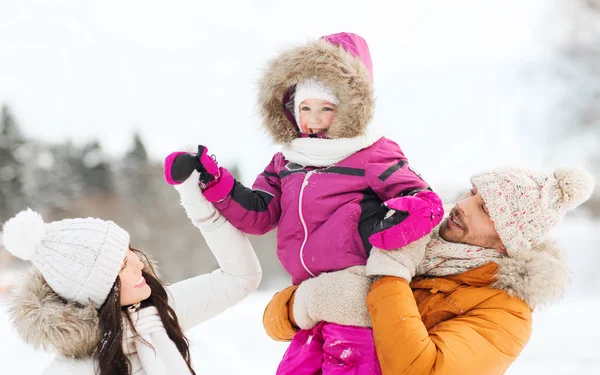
<point x="448" y="75"/>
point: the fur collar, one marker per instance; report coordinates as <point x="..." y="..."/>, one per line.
<point x="539" y="277"/>
<point x="46" y="321"/>
<point x="333" y="66"/>
<point x="318" y="152"/>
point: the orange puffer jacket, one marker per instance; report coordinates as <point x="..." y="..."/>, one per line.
<point x="477" y="322"/>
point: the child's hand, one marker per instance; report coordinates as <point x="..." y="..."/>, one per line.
<point x="409" y="219"/>
<point x="180" y="165"/>
<point x="216" y="182"/>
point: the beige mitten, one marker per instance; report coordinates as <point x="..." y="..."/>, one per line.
<point x="336" y="297"/>
<point x="402" y="262"/>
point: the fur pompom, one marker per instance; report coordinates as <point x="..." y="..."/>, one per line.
<point x="23" y="233"/>
<point x="576" y="184"/>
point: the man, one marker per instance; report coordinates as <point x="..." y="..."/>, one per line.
<point x="480" y="275"/>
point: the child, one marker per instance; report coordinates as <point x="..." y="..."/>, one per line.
<point x="324" y="190"/>
<point x="100" y="306"/>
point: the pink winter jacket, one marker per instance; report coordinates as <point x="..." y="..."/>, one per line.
<point x="325" y="215"/>
<point x="325" y="211"/>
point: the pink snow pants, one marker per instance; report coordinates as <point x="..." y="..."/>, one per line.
<point x="331" y="349"/>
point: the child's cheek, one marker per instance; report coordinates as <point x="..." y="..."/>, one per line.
<point x="329" y="118"/>
<point x="303" y="123"/>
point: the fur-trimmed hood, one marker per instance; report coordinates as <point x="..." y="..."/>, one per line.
<point x="46" y="321"/>
<point x="539" y="277"/>
<point x="342" y="62"/>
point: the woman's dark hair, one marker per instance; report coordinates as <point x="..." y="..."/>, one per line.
<point x="109" y="355"/>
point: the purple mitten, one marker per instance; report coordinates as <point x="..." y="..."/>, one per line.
<point x="436" y="205"/>
<point x="172" y="175"/>
<point x="216" y="182"/>
<point x="409" y="218"/>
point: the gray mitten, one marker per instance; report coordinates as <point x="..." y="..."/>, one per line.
<point x="402" y="262"/>
<point x="336" y="297"/>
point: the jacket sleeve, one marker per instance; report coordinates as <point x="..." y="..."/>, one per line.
<point x="389" y="174"/>
<point x="256" y="210"/>
<point x="202" y="297"/>
<point x="70" y="366"/>
<point x="278" y="318"/>
<point x="484" y="340"/>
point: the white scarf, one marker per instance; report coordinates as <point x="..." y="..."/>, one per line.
<point x="164" y="358"/>
<point x="319" y="152"/>
<point x="443" y="258"/>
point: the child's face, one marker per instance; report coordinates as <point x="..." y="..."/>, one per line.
<point x="316" y="115"/>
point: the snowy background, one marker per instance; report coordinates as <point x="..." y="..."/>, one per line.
<point x="462" y="86"/>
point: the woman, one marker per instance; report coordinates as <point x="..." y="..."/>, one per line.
<point x="99" y="304"/>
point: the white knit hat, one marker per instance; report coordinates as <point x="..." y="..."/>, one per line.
<point x="310" y="88"/>
<point x="79" y="258"/>
<point x="526" y="205"/>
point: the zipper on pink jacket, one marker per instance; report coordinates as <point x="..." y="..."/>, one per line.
<point x="304" y="184"/>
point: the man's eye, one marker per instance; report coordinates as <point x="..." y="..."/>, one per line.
<point x="305" y="109"/>
<point x="327" y="109"/>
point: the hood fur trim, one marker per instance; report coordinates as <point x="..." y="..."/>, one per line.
<point x="335" y="67"/>
<point x="540" y="276"/>
<point x="46" y="321"/>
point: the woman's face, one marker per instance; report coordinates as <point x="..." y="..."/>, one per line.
<point x="133" y="285"/>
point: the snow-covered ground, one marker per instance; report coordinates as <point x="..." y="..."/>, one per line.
<point x="565" y="338"/>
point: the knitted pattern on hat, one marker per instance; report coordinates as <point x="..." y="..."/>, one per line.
<point x="79" y="258"/>
<point x="312" y="89"/>
<point x="526" y="205"/>
<point x="443" y="258"/>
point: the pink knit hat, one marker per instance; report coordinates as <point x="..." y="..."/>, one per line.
<point x="526" y="205"/>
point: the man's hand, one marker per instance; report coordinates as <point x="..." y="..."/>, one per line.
<point x="336" y="297"/>
<point x="400" y="263"/>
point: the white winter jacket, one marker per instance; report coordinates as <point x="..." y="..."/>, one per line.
<point x="194" y="300"/>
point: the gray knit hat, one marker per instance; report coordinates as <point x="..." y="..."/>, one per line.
<point x="79" y="258"/>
